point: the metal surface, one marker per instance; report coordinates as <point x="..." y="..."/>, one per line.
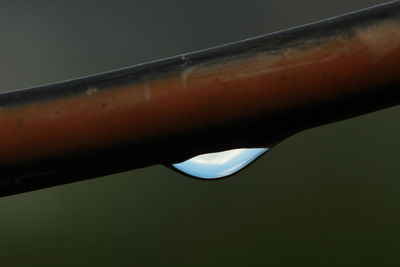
<point x="253" y="93"/>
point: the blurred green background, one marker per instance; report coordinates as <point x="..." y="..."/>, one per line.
<point x="326" y="197"/>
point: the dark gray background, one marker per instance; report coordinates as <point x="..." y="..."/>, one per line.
<point x="329" y="196"/>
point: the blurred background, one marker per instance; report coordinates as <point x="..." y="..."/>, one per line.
<point x="325" y="197"/>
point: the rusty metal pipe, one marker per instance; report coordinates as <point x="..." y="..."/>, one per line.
<point x="252" y="93"/>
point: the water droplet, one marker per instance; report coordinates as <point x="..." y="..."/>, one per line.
<point x="220" y="164"/>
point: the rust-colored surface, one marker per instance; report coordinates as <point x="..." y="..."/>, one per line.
<point x="203" y="95"/>
<point x="248" y="94"/>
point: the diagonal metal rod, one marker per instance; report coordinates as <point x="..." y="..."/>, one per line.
<point x="253" y="93"/>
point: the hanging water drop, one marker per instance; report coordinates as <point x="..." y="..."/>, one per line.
<point x="219" y="164"/>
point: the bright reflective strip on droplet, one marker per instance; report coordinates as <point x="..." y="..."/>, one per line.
<point x="220" y="164"/>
